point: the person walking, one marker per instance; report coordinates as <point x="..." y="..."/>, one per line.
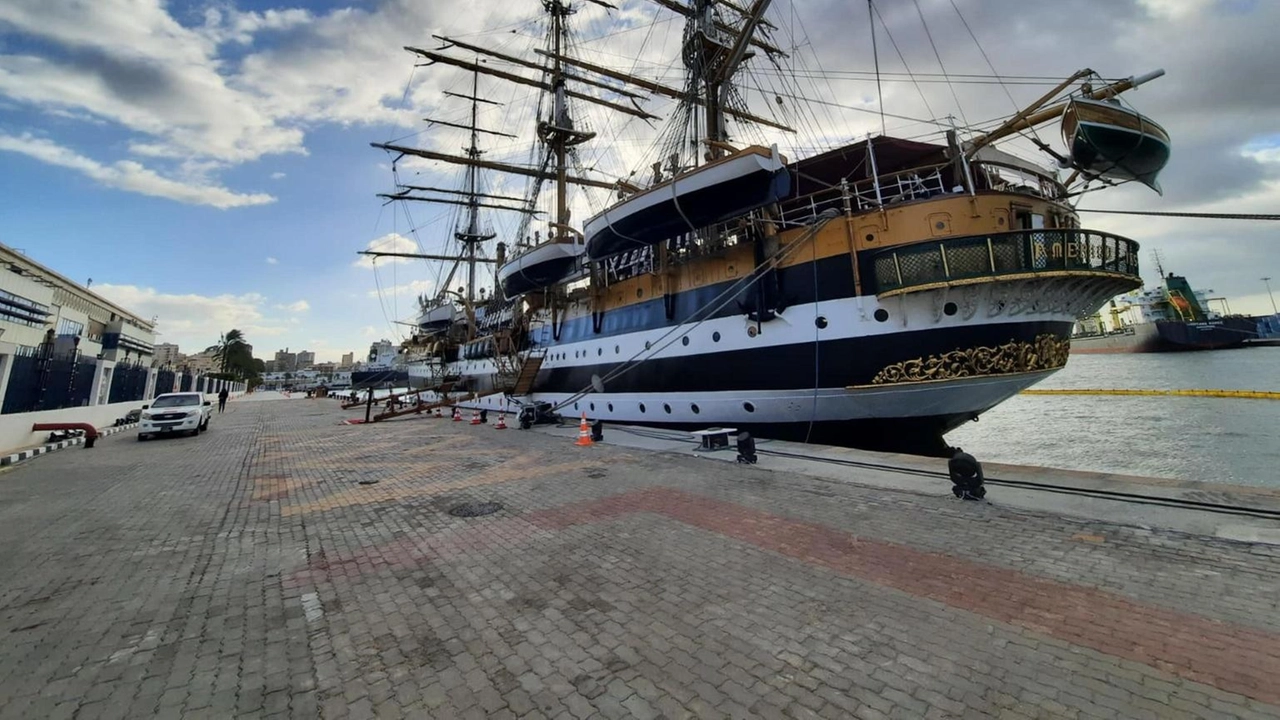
<point x="222" y="399"/>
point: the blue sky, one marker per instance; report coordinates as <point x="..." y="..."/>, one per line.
<point x="208" y="162"/>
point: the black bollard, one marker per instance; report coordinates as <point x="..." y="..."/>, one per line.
<point x="597" y="431"/>
<point x="746" y="448"/>
<point x="484" y="417"/>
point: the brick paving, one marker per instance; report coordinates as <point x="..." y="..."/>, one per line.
<point x="283" y="565"/>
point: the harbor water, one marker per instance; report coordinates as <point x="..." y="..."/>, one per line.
<point x="1227" y="440"/>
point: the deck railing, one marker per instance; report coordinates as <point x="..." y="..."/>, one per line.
<point x="1001" y="254"/>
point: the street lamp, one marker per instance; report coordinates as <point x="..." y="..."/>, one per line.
<point x="1267" y="282"/>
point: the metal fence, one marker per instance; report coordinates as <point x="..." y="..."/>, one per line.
<point x="128" y="382"/>
<point x="164" y="381"/>
<point x="44" y="380"/>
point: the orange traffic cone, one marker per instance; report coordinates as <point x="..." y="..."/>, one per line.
<point x="502" y="421"/>
<point x="584" y="432"/>
<point x="475" y="417"/>
<point x="457" y="414"/>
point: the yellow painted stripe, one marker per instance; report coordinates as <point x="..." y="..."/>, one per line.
<point x="1251" y="394"/>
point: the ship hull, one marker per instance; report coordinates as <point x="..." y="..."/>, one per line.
<point x="1170" y="336"/>
<point x="829" y="372"/>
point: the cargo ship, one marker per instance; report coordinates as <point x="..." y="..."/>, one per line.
<point x="1168" y="318"/>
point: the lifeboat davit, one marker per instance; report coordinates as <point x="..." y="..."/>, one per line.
<point x="539" y="267"/>
<point x="1110" y="141"/>
<point x="723" y="189"/>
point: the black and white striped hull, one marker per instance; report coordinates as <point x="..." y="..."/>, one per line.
<point x="811" y="373"/>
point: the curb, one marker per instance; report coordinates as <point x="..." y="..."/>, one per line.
<point x="15" y="458"/>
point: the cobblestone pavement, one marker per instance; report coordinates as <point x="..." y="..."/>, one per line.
<point x="286" y="565"/>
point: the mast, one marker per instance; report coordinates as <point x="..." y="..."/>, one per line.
<point x="558" y="131"/>
<point x="473" y="209"/>
<point x="560" y="112"/>
<point x="713" y="53"/>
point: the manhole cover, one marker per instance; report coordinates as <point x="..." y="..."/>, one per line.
<point x="475" y="509"/>
<point x="367" y="482"/>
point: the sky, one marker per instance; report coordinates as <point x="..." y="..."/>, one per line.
<point x="208" y="163"/>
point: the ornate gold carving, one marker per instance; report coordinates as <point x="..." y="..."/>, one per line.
<point x="1046" y="352"/>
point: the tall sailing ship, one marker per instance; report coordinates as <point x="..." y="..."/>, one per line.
<point x="876" y="294"/>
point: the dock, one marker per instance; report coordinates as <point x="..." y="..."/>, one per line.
<point x="288" y="564"/>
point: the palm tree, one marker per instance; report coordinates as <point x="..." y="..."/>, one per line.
<point x="230" y="349"/>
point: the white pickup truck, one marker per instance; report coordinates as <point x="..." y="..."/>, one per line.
<point x="175" y="414"/>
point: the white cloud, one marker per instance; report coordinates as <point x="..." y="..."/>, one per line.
<point x="391" y="242"/>
<point x="195" y="321"/>
<point x="414" y="288"/>
<point x="130" y="175"/>
<point x="277" y="176"/>
<point x="272" y="261"/>
<point x="299" y="306"/>
<point x="240" y="27"/>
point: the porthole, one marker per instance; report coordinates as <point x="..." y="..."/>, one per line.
<point x="575" y="406"/>
<point x="610" y="406"/>
<point x="684" y="340"/>
<point x="639" y="292"/>
<point x="599" y="352"/>
<point x="715" y="336"/>
<point x="593" y="407"/>
<point x="752" y="332"/>
<point x="666" y="408"/>
<point x="999" y="221"/>
<point x="882" y="315"/>
<point x="950" y="308"/>
<point x="820" y="321"/>
<point x="940" y="225"/>
<point x="617" y="349"/>
<point x="871" y="237"/>
<point x="647" y="344"/>
<point x="749" y="407"/>
<point x="641" y="408"/>
<point x="694" y="408"/>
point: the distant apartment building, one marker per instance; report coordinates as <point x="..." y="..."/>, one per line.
<point x="286" y="361"/>
<point x="167" y="354"/>
<point x="204" y="363"/>
<point x="306" y="359"/>
<point x="348" y="359"/>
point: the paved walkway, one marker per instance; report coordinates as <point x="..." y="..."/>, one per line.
<point x="286" y="565"/>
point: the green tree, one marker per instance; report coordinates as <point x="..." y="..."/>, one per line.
<point x="234" y="357"/>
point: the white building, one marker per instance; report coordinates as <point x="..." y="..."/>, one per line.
<point x="63" y="345"/>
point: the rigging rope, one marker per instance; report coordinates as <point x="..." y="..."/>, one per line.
<point x="902" y="58"/>
<point x="941" y="65"/>
<point x="1205" y="216"/>
<point x="717" y="303"/>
